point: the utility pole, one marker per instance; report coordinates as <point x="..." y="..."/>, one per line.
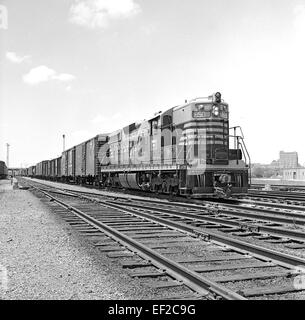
<point x="7" y="154"/>
<point x="64" y="142"/>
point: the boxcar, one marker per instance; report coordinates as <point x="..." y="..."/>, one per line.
<point x="32" y="171"/>
<point x="82" y="161"/>
<point x="64" y="165"/>
<point x="42" y="169"/>
<point x="89" y="161"/>
<point x="71" y="163"/>
<point x="3" y="170"/>
<point x="58" y="168"/>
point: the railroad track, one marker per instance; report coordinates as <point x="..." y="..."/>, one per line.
<point x="280" y="196"/>
<point x="208" y="263"/>
<point x="268" y="225"/>
<point x="270" y="203"/>
<point x="280" y="187"/>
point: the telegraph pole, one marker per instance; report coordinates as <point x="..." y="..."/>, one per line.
<point x="64" y="142"/>
<point x="7" y="154"/>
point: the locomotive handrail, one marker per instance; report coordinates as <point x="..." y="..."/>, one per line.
<point x="241" y="131"/>
<point x="244" y="145"/>
<point x="241" y="143"/>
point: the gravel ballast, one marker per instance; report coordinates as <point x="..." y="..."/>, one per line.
<point x="42" y="257"/>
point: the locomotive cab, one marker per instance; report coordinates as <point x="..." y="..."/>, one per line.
<point x="216" y="160"/>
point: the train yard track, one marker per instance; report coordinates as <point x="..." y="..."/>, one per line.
<point x="279" y="187"/>
<point x="280" y="224"/>
<point x="289" y="197"/>
<point x="182" y="245"/>
<point x="248" y="216"/>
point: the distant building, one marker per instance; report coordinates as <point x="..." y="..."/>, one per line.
<point x="286" y="168"/>
<point x="294" y="174"/>
<point x="288" y="160"/>
<point x="274" y="164"/>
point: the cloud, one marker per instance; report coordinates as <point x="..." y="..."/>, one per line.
<point x="44" y="74"/>
<point x="99" y="13"/>
<point x="14" y="58"/>
<point x="38" y="75"/>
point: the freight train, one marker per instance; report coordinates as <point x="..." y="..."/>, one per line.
<point x="186" y="150"/>
<point x="3" y="170"/>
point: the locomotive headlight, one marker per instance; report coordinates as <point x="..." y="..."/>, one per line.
<point x="216" y="111"/>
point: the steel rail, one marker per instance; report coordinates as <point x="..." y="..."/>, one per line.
<point x="295" y="235"/>
<point x="283" y="259"/>
<point x="200" y="202"/>
<point x="200" y="284"/>
<point x="278" y="186"/>
<point x="270" y="204"/>
<point x="284" y="197"/>
<point x="278" y="192"/>
<point x="290" y="218"/>
<point x="255" y="227"/>
<point x="293" y="220"/>
<point x="260" y="252"/>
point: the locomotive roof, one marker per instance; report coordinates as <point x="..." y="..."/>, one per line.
<point x="208" y="99"/>
<point x="198" y="100"/>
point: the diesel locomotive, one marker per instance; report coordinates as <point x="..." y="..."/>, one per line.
<point x="188" y="150"/>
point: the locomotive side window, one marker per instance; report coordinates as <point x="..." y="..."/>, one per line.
<point x="167" y="120"/>
<point x="155" y="125"/>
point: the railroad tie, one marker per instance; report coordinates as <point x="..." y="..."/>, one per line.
<point x="135" y="264"/>
<point x="260" y="291"/>
<point x="147" y="274"/>
<point x="251" y="276"/>
<point x="233" y="266"/>
<point x="165" y="284"/>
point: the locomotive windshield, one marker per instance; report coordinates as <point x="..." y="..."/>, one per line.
<point x="203" y="110"/>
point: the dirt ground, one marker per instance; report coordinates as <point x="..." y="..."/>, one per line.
<point x="42" y="257"/>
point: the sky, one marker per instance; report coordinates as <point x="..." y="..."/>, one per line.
<point x="84" y="67"/>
